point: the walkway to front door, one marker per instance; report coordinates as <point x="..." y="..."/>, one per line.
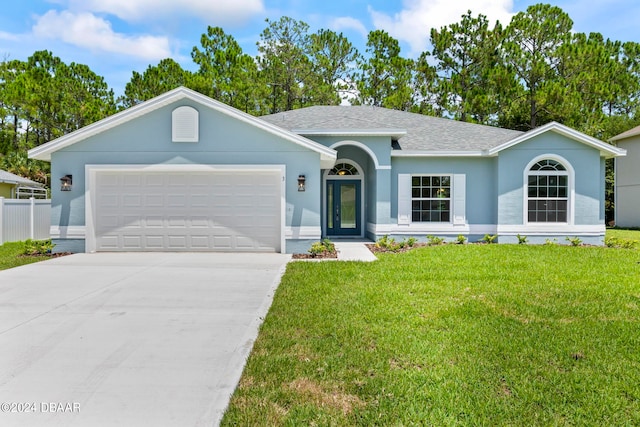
<point x="344" y="215"/>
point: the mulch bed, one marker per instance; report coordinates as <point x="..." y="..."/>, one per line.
<point x="379" y="249"/>
<point x="324" y="255"/>
<point x="54" y="255"/>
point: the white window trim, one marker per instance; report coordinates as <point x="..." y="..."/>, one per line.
<point x="450" y="198"/>
<point x="458" y="216"/>
<point x="570" y="172"/>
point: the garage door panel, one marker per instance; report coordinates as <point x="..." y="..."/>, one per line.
<point x="171" y="211"/>
<point x="153" y="242"/>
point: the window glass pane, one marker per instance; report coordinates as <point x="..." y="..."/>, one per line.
<point x="330" y="207"/>
<point x="348" y="206"/>
<point x="431" y="198"/>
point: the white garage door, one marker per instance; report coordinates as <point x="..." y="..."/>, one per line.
<point x="187" y="211"/>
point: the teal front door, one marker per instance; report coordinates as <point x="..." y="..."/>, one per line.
<point x="344" y="213"/>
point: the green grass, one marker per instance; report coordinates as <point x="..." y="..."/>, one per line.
<point x="621" y="233"/>
<point x="451" y="335"/>
<point x="10" y="256"/>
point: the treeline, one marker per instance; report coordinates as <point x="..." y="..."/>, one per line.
<point x="519" y="76"/>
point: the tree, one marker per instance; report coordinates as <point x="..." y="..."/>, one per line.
<point x="226" y="73"/>
<point x="471" y="78"/>
<point x="532" y="41"/>
<point x="385" y="77"/>
<point x="154" y="81"/>
<point x="333" y="59"/>
<point x="284" y="64"/>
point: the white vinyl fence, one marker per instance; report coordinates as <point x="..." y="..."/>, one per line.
<point x="22" y="219"/>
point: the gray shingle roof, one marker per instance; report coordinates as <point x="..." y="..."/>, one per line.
<point x="423" y="133"/>
<point x="11" y="178"/>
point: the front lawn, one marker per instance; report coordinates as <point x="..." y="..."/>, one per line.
<point x="11" y="256"/>
<point x="451" y="335"/>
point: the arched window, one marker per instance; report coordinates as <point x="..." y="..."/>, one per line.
<point x="344" y="169"/>
<point x="548" y="192"/>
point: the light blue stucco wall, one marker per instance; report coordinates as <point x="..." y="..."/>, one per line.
<point x="223" y="140"/>
<point x="585" y="161"/>
<point x="480" y="178"/>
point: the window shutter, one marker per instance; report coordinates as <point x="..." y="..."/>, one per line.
<point x="404" y="199"/>
<point x="184" y="124"/>
<point x="459" y="199"/>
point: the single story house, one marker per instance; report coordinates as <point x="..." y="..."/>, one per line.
<point x="13" y="186"/>
<point x="627" y="186"/>
<point x="183" y="172"/>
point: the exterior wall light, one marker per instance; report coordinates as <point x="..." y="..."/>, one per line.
<point x="66" y="182"/>
<point x="301" y="182"/>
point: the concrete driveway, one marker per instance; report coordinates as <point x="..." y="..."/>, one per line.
<point x="129" y="339"/>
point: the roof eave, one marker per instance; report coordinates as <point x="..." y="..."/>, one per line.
<point x="427" y="153"/>
<point x="606" y="150"/>
<point x="626" y="135"/>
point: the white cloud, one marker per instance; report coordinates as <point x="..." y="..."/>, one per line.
<point x="348" y="23"/>
<point x="213" y="12"/>
<point x="89" y="31"/>
<point x="8" y="36"/>
<point x="413" y="24"/>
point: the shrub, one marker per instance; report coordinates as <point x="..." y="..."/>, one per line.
<point x="575" y="241"/>
<point x="387" y="243"/>
<point x="550" y="242"/>
<point x="434" y="240"/>
<point x="461" y="240"/>
<point x="618" y="242"/>
<point x="37" y="247"/>
<point x="489" y="238"/>
<point x="411" y="241"/>
<point x="522" y="240"/>
<point x="326" y="246"/>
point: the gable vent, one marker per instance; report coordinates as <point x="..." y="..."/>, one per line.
<point x="184" y="122"/>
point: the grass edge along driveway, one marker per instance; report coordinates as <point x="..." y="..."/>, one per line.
<point x="451" y="335"/>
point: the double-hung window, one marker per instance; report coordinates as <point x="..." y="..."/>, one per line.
<point x="431" y="198"/>
<point x="548" y="192"/>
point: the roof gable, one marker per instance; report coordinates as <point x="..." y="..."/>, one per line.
<point x="44" y="151"/>
<point x="606" y="150"/>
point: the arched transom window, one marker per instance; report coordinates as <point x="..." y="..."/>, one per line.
<point x="548" y="192"/>
<point x="344" y="169"/>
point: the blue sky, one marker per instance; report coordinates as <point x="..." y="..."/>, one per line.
<point x="116" y="37"/>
